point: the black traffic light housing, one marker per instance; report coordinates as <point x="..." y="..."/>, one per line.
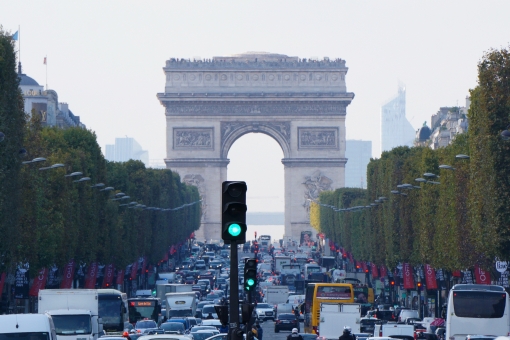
<point x="222" y="312"/>
<point x="246" y="312"/>
<point x="233" y="213"/>
<point x="250" y="274"/>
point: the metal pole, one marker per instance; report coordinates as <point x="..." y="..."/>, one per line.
<point x="234" y="292"/>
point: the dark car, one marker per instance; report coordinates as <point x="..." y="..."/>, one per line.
<point x="173" y="327"/>
<point x="285" y="321"/>
<point x="307" y="336"/>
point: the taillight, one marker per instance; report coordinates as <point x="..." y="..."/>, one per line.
<point x="278" y="321"/>
<point x="315" y="330"/>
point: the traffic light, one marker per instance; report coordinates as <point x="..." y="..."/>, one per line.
<point x="233" y="218"/>
<point x="250" y="274"/>
<point x="222" y="312"/>
<point x="392" y="283"/>
<point x="246" y="312"/>
<point x="419" y="285"/>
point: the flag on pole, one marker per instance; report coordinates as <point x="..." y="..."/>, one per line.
<point x="15" y="36"/>
<point x="44" y="62"/>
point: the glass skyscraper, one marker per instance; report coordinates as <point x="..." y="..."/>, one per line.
<point x="395" y="128"/>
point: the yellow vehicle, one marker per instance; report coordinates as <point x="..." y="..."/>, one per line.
<point x="317" y="293"/>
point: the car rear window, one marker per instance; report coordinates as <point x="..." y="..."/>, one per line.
<point x="286" y="316"/>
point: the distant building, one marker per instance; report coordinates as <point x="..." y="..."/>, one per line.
<point x="45" y="103"/>
<point x="358" y="154"/>
<point x="395" y="128"/>
<point x="445" y="125"/>
<point x="125" y="149"/>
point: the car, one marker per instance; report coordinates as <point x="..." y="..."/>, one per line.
<point x="286" y="322"/>
<point x="215" y="265"/>
<point x="202" y="335"/>
<point x="362" y="336"/>
<point x="407" y="313"/>
<point x="367" y="324"/>
<point x="264" y="311"/>
<point x="142" y="325"/>
<point x="196" y="329"/>
<point x="206" y="310"/>
<point x="200" y="264"/>
<point x="212" y="322"/>
<point x="307" y="336"/>
<point x="164" y="337"/>
<point x="222" y="336"/>
<point x="173" y="327"/>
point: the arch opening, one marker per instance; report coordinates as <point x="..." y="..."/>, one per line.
<point x="256" y="159"/>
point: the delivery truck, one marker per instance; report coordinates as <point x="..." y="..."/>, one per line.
<point x="276" y="294"/>
<point x="73" y="311"/>
<point x="335" y="316"/>
<point x="180" y="304"/>
<point x="20" y="326"/>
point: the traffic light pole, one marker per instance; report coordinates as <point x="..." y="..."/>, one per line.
<point x="234" y="294"/>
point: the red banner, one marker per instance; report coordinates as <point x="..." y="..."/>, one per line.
<point x="109" y="271"/>
<point x="482" y="277"/>
<point x="134" y="269"/>
<point x="120" y="276"/>
<point x="383" y="271"/>
<point x="375" y="272"/>
<point x="90" y="279"/>
<point x="68" y="277"/>
<point x="165" y="258"/>
<point x="39" y="282"/>
<point x="430" y="277"/>
<point x="456" y="273"/>
<point x="364" y="266"/>
<point x="408" y="276"/>
<point x="2" y="282"/>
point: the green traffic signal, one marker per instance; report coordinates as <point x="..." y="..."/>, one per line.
<point x="234" y="229"/>
<point x="250" y="282"/>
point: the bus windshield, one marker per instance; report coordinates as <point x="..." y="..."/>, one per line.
<point x="476" y="304"/>
<point x="140" y="309"/>
<point x="333" y="293"/>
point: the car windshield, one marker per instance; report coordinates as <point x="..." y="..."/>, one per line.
<point x="202" y="335"/>
<point x="286" y="316"/>
<point x="202" y="328"/>
<point x="146" y="324"/>
<point x="172" y="326"/>
<point x="263" y="305"/>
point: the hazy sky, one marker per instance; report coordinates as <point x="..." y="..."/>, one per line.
<point x="105" y="60"/>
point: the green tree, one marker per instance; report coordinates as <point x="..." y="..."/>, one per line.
<point x="12" y="121"/>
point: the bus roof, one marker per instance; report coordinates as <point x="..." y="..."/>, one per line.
<point x="478" y="287"/>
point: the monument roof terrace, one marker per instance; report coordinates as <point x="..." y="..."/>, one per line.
<point x="256" y="61"/>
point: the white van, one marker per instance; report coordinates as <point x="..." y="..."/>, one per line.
<point x="28" y="326"/>
<point x="407" y="313"/>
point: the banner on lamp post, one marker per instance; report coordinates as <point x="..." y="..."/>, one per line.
<point x="407" y="275"/>
<point x="482" y="277"/>
<point x="430" y="277"/>
<point x="68" y="276"/>
<point x="90" y="279"/>
<point x="109" y="271"/>
<point x="39" y="282"/>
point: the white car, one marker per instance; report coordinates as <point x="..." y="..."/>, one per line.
<point x="264" y="311"/>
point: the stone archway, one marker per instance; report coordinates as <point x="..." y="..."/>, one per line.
<point x="302" y="104"/>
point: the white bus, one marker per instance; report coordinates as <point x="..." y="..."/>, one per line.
<point x="477" y="309"/>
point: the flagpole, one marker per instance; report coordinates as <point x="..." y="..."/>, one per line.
<point x="19" y="43"/>
<point x="46" y="64"/>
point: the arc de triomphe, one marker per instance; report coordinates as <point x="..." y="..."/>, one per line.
<point x="300" y="103"/>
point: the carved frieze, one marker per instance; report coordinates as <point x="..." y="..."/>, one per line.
<point x="194" y="138"/>
<point x="318" y="138"/>
<point x="266" y="108"/>
<point x="282" y="128"/>
<point x="315" y="184"/>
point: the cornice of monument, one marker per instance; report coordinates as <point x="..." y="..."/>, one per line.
<point x="314" y="162"/>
